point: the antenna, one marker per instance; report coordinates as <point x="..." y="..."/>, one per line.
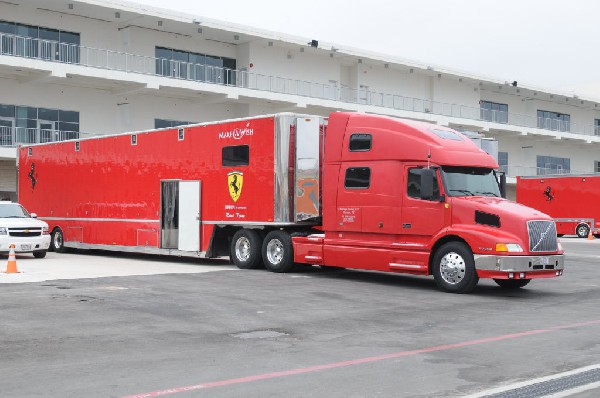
<point x="429" y="158"/>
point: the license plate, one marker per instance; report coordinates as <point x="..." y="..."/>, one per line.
<point x="25" y="247"/>
<point x="544" y="260"/>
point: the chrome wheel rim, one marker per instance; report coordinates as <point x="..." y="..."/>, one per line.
<point x="453" y="268"/>
<point x="58" y="241"/>
<point x="275" y="251"/>
<point x="583" y="231"/>
<point x="242" y="249"/>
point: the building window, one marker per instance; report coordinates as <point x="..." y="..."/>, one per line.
<point x="39" y="42"/>
<point x="553" y="121"/>
<point x="357" y="178"/>
<point x="28" y="125"/>
<point x="597" y="126"/>
<point x="503" y="162"/>
<point x="237" y="155"/>
<point x="596" y="166"/>
<point x="194" y="66"/>
<point x="494" y="112"/>
<point x="553" y="165"/>
<point x="165" y="123"/>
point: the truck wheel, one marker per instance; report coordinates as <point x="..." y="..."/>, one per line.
<point x="39" y="254"/>
<point x="512" y="283"/>
<point x="245" y="249"/>
<point x="277" y="252"/>
<point x="582" y="230"/>
<point x="454" y="268"/>
<point x="57" y="241"/>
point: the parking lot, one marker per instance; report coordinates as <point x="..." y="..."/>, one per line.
<point x="98" y="324"/>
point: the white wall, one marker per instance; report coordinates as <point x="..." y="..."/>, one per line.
<point x="401" y="82"/>
<point x="97" y="108"/>
<point x="279" y="61"/>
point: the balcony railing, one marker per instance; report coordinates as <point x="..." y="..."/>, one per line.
<point x="119" y="61"/>
<point x="514" y="171"/>
<point x="12" y="136"/>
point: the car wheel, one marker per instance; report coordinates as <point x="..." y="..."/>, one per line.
<point x="39" y="254"/>
<point x="57" y="241"/>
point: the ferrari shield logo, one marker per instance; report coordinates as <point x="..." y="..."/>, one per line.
<point x="235" y="180"/>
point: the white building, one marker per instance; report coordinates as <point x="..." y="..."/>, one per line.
<point x="73" y="68"/>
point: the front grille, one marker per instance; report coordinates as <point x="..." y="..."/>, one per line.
<point x="24" y="232"/>
<point x="542" y="236"/>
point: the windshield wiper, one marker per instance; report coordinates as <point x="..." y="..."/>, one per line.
<point x="465" y="191"/>
<point x="487" y="193"/>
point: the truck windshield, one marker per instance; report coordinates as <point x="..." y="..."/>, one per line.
<point x="470" y="181"/>
<point x="12" y="210"/>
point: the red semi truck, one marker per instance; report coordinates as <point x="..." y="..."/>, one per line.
<point x="570" y="200"/>
<point x="352" y="191"/>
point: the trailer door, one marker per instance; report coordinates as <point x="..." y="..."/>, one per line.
<point x="189" y="215"/>
<point x="180" y="215"/>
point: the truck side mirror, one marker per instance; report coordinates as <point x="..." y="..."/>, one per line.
<point x="427" y="177"/>
<point x="502" y="184"/>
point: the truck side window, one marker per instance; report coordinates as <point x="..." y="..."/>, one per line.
<point x="413" y="188"/>
<point x="357" y="178"/>
<point x="238" y="155"/>
<point x="360" y="142"/>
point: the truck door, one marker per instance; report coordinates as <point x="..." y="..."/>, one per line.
<point x="421" y="216"/>
<point x="180" y="215"/>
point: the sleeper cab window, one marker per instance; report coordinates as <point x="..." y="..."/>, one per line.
<point x="413" y="187"/>
<point x="357" y="178"/>
<point x="236" y="155"/>
<point x="360" y="142"/>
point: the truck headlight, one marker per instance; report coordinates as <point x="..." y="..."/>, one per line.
<point x="45" y="231"/>
<point x="509" y="247"/>
<point x="3" y="231"/>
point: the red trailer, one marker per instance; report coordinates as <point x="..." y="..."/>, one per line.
<point x="353" y="191"/>
<point x="570" y="200"/>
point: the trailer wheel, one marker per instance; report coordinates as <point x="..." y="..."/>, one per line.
<point x="277" y="252"/>
<point x="582" y="230"/>
<point x="57" y="241"/>
<point x="454" y="268"/>
<point x="512" y="283"/>
<point x="245" y="249"/>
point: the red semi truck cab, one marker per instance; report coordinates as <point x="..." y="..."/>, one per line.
<point x="411" y="197"/>
<point x="352" y="191"/>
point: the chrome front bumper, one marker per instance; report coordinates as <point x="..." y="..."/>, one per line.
<point x="519" y="263"/>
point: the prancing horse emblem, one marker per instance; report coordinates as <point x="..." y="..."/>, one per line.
<point x="235" y="181"/>
<point x="548" y="194"/>
<point x="32" y="176"/>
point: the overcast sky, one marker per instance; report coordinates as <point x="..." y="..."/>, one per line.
<point x="550" y="44"/>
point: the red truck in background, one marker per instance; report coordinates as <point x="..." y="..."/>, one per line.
<point x="352" y="191"/>
<point x="570" y="200"/>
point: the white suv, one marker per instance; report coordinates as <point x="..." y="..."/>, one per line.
<point x="19" y="228"/>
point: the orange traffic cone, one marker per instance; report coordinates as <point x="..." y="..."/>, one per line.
<point x="590" y="235"/>
<point x="11" y="266"/>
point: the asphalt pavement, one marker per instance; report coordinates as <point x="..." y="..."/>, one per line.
<point x="98" y="324"/>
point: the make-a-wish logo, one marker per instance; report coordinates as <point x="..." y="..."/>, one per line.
<point x="237" y="133"/>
